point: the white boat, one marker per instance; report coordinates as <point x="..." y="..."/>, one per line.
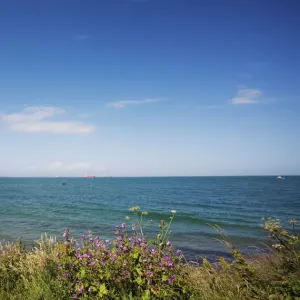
<point x="279" y="177"/>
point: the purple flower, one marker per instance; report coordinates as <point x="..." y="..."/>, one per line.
<point x="171" y="279"/>
<point x="66" y="275"/>
<point x="169" y="243"/>
<point x="119" y="239"/>
<point x="74" y="296"/>
<point x="149" y="273"/>
<point x="80" y="290"/>
<point x="89" y="290"/>
<point x="123" y="225"/>
<point x="178" y="252"/>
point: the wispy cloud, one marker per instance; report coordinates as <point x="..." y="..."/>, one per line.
<point x="36" y="120"/>
<point x="82" y="37"/>
<point x="250" y="96"/>
<point x="125" y="103"/>
<point x="247" y="96"/>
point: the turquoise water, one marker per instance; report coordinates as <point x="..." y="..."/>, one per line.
<point x="31" y="206"/>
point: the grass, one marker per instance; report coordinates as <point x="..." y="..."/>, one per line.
<point x="131" y="267"/>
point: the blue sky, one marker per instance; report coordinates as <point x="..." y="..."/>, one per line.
<point x="149" y="87"/>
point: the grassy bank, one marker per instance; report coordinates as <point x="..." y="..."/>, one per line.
<point x="134" y="267"/>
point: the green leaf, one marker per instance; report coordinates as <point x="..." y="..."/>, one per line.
<point x="139" y="281"/>
<point x="139" y="271"/>
<point x="103" y="291"/>
<point x="165" y="278"/>
<point x="82" y="273"/>
<point x="146" y="295"/>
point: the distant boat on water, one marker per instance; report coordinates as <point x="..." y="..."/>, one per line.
<point x="89" y="176"/>
<point x="279" y="177"/>
<point x="63" y="182"/>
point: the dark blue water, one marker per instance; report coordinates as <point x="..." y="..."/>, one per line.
<point x="31" y="206"/>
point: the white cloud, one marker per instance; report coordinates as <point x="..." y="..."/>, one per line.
<point x="124" y="103"/>
<point x="35" y="120"/>
<point x="247" y="96"/>
<point x="32" y="114"/>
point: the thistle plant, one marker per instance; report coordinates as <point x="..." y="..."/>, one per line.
<point x="129" y="264"/>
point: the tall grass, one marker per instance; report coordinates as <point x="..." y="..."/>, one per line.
<point x="133" y="267"/>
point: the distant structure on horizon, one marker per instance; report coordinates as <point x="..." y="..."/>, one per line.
<point x="89" y="176"/>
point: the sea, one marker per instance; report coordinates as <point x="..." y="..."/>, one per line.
<point x="209" y="210"/>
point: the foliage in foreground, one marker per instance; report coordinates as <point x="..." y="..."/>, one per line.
<point x="133" y="267"/>
<point x="275" y="276"/>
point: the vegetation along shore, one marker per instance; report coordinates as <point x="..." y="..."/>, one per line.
<point x="132" y="266"/>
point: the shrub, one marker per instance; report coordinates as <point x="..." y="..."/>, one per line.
<point x="127" y="266"/>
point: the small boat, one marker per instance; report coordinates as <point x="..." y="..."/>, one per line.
<point x="89" y="176"/>
<point x="63" y="182"/>
<point x="279" y="177"/>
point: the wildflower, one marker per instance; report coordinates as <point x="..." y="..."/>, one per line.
<point x="277" y="246"/>
<point x="169" y="243"/>
<point x="134" y="208"/>
<point x="89" y="290"/>
<point x="74" y="296"/>
<point x="170" y="264"/>
<point x="178" y="252"/>
<point x="127" y="218"/>
<point x="149" y="274"/>
<point x="133" y="226"/>
<point x="144" y="213"/>
<point x="123" y="225"/>
<point x="293" y="222"/>
<point x="173" y="212"/>
<point x="107" y="241"/>
<point x="80" y="290"/>
<point x="171" y="279"/>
